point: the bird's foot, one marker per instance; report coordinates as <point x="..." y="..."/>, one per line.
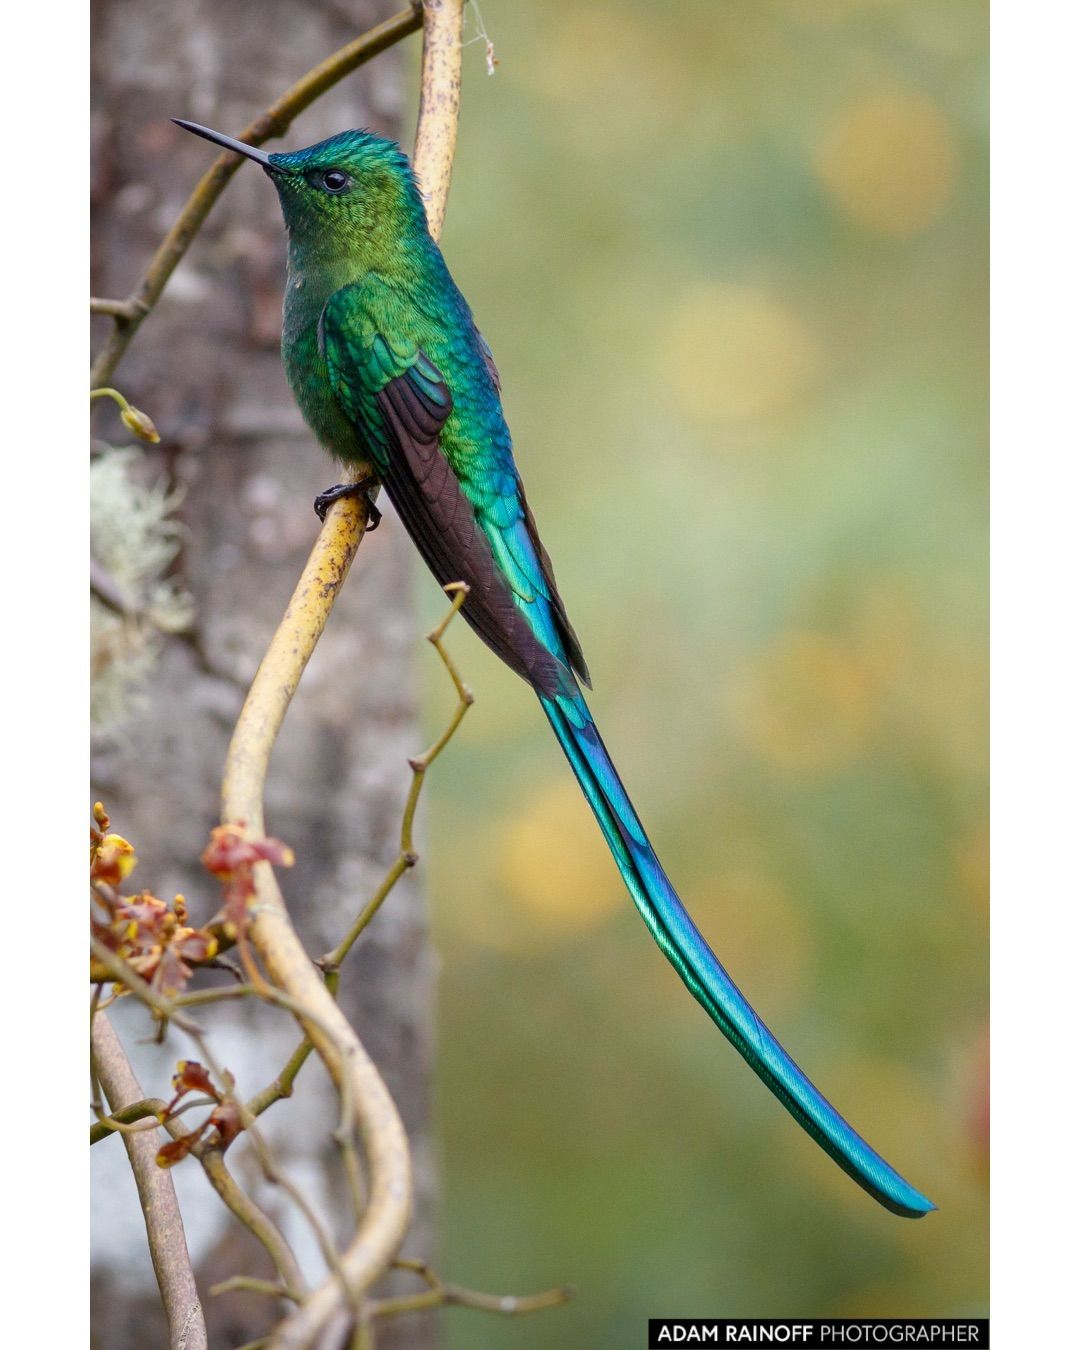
<point x="366" y="487"/>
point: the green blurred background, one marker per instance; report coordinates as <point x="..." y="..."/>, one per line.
<point x="732" y="260"/>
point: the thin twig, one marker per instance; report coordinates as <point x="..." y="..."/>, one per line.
<point x="123" y="311"/>
<point x="254" y="1219"/>
<point x="129" y="1120"/>
<point x="268" y="994"/>
<point x="276" y="1176"/>
<point x="144" y="1115"/>
<point x="407" y="855"/>
<point x="164" y="1225"/>
<point x="120" y="971"/>
<point x="282" y="1086"/>
<point x="440" y="1294"/>
<point x="275" y="121"/>
<point x="251" y="1285"/>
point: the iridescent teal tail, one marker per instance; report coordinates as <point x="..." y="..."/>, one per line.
<point x="703" y="974"/>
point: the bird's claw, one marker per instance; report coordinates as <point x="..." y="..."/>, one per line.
<point x="366" y="487"/>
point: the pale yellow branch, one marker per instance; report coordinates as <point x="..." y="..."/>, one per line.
<point x="440" y="98"/>
<point x="384" y="1223"/>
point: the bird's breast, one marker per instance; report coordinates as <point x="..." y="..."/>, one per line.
<point x="308" y="373"/>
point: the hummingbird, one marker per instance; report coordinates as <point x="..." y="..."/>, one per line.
<point x="391" y="372"/>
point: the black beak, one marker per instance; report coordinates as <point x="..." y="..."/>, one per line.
<point x="249" y="151"/>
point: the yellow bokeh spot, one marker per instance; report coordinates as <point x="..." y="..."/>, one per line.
<point x="553" y="864"/>
<point x="735" y="354"/>
<point x="889" y="162"/>
<point x="807" y="703"/>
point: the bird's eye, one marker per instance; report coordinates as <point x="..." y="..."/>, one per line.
<point x="334" y="180"/>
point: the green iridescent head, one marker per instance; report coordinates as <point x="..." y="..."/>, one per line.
<point x="355" y="182"/>
<point x="350" y="188"/>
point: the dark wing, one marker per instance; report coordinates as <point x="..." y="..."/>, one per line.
<point x="400" y="402"/>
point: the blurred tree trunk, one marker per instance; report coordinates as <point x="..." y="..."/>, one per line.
<point x="206" y="366"/>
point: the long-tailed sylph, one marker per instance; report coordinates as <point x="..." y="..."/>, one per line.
<point x="390" y="370"/>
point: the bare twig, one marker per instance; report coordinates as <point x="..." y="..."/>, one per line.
<point x="129" y="313"/>
<point x="255" y="1220"/>
<point x="164" y="1226"/>
<point x="249" y="1284"/>
<point x="282" y="1086"/>
<point x="407" y="855"/>
<point x="123" y="311"/>
<point x="440" y="1294"/>
<point x="144" y="1115"/>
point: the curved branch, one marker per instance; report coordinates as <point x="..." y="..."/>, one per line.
<point x="164" y="1225"/>
<point x="129" y="313"/>
<point x="287" y="963"/>
<point x="383" y="1226"/>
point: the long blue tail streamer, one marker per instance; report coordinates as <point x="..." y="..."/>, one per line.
<point x="708" y="981"/>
